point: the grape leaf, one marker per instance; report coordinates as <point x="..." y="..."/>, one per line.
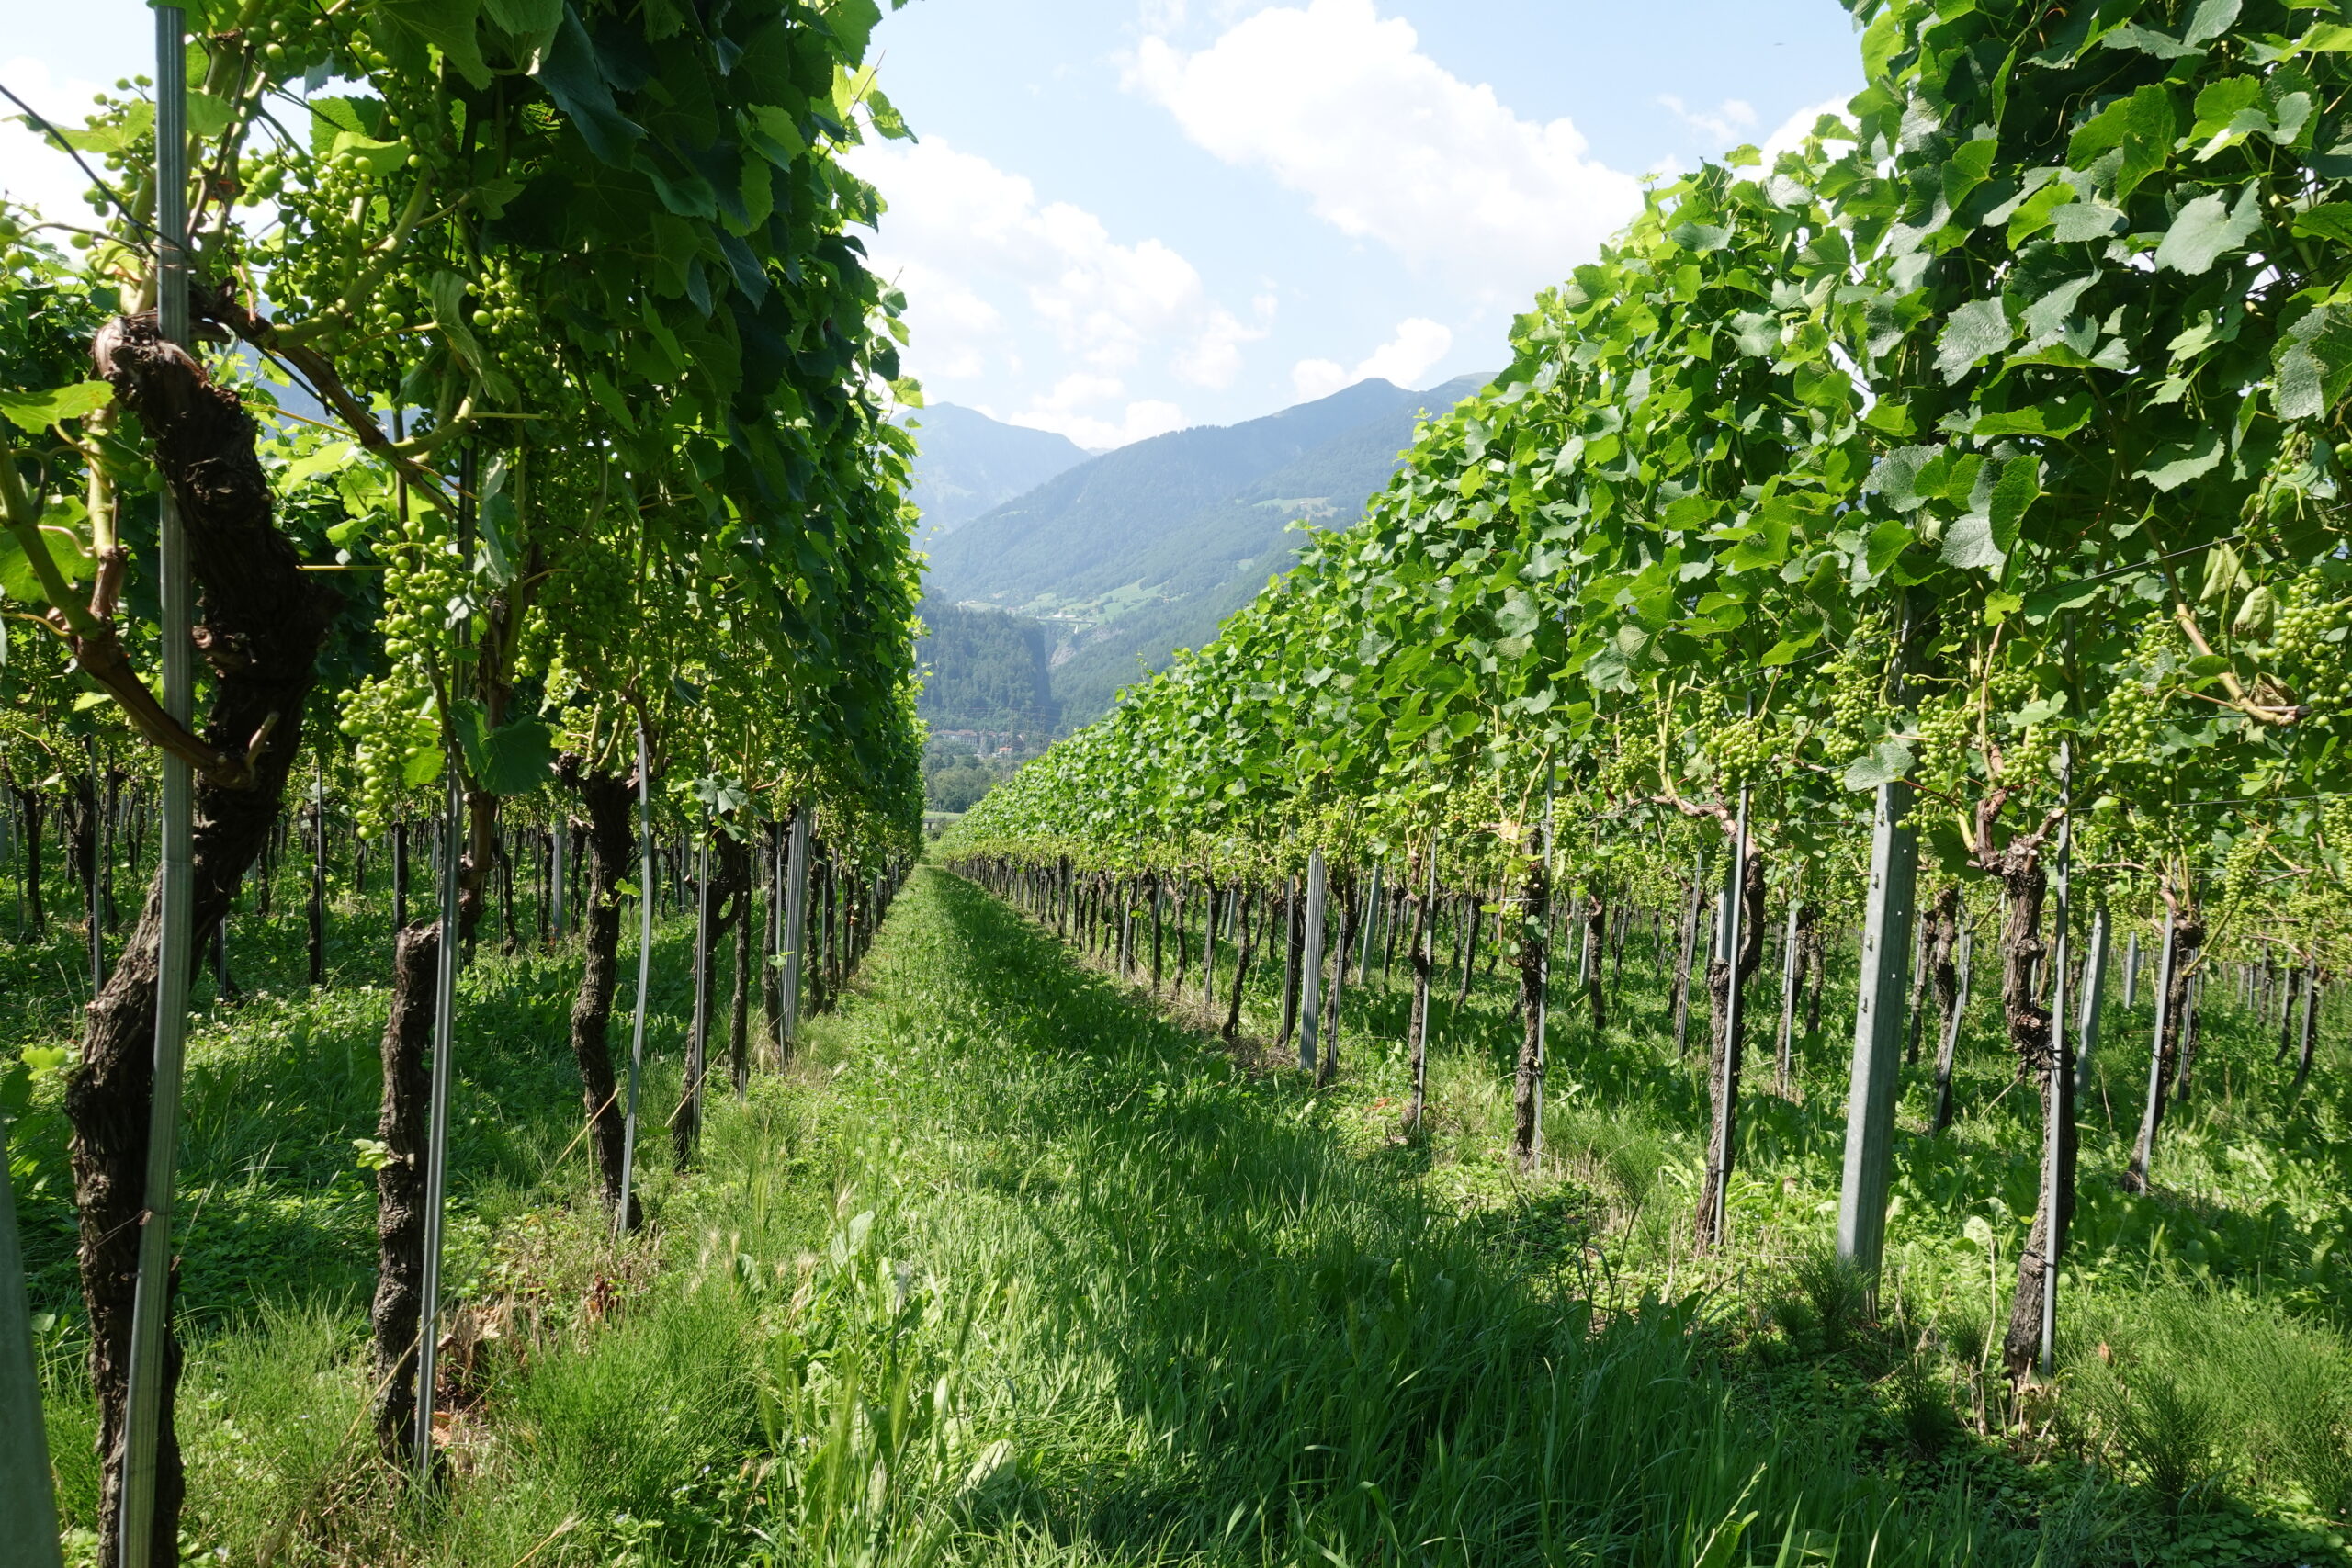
<point x="2211" y="20"/>
<point x="513" y="759"/>
<point x="2207" y="230"/>
<point x="1896" y="477"/>
<point x="33" y="413"/>
<point x="2315" y="363"/>
<point x="2174" y="465"/>
<point x="1884" y="764"/>
<point x="1968" y="543"/>
<point x="2142" y="126"/>
<point x="17" y="579"/>
<point x="569" y="70"/>
<point x="2328" y="221"/>
<point x="450" y="26"/>
<point x="1758" y="335"/>
<point x="1977" y="329"/>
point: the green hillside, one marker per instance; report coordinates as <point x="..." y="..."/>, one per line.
<point x="1144" y="549"/>
<point x="983" y="670"/>
<point x="967" y="464"/>
<point x="1084" y="535"/>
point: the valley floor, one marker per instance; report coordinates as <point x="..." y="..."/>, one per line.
<point x="1012" y="1268"/>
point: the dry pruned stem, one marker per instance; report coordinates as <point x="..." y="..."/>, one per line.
<point x="1711" y="810"/>
<point x="2277" y="716"/>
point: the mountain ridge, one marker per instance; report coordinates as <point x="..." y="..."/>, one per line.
<point x="1148" y="549"/>
<point x="967" y="464"/>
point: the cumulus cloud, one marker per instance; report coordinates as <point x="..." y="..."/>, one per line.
<point x="987" y="266"/>
<point x="1063" y="412"/>
<point x="33" y="172"/>
<point x="1420" y="344"/>
<point x="1729" y="122"/>
<point x="1340" y="105"/>
<point x="1798" y="126"/>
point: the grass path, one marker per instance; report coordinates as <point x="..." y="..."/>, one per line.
<point x="1096" y="1295"/>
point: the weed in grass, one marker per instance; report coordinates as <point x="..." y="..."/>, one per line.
<point x="1824" y="1302"/>
<point x="1923" y="1408"/>
<point x="2159" y="1426"/>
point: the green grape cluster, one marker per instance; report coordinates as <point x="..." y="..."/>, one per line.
<point x="2241" y="870"/>
<point x="590" y="614"/>
<point x="2309" y="646"/>
<point x="2028" y="760"/>
<point x="1742" y="751"/>
<point x="2132" y="721"/>
<point x="518" y="335"/>
<point x="319" y="261"/>
<point x="2336" y="825"/>
<point x="1856" y="680"/>
<point x="1945" y="740"/>
<point x="393" y="718"/>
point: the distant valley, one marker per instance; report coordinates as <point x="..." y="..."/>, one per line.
<point x="1107" y="566"/>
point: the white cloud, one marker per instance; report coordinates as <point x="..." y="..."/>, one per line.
<point x="1312" y="379"/>
<point x="32" y="171"/>
<point x="987" y="266"/>
<point x="1728" y="123"/>
<point x="1798" y="126"/>
<point x="1139" y="422"/>
<point x="1340" y="105"/>
<point x="1093" y="410"/>
<point x="1419" y="343"/>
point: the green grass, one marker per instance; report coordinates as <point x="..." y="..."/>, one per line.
<point x="2222" y="1287"/>
<point x="1009" y="1269"/>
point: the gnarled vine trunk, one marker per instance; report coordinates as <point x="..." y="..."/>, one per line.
<point x="401" y="1127"/>
<point x="259" y="624"/>
<point x="738" y="857"/>
<point x="2024" y="883"/>
<point x="1711" y="1224"/>
<point x="1534" y="916"/>
<point x="1248" y="949"/>
<point x="609" y="799"/>
<point x="1596" y="947"/>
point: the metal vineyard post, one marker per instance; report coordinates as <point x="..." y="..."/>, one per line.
<point x="1878" y="1032"/>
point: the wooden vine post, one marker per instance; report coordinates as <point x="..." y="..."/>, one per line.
<point x="2093" y="1000"/>
<point x="1725" y="974"/>
<point x="2057" y="1196"/>
<point x="2143" y="1152"/>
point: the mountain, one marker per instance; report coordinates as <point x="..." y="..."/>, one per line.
<point x="967" y="464"/>
<point x="1144" y="549"/>
<point x="986" y="671"/>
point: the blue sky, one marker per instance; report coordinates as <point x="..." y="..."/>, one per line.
<point x="1125" y="216"/>
<point x="1122" y="216"/>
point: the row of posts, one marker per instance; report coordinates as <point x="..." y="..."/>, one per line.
<point x="1879" y="1027"/>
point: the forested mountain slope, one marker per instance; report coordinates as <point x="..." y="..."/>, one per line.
<point x="1143" y="550"/>
<point x="983" y="670"/>
<point x="967" y="464"/>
